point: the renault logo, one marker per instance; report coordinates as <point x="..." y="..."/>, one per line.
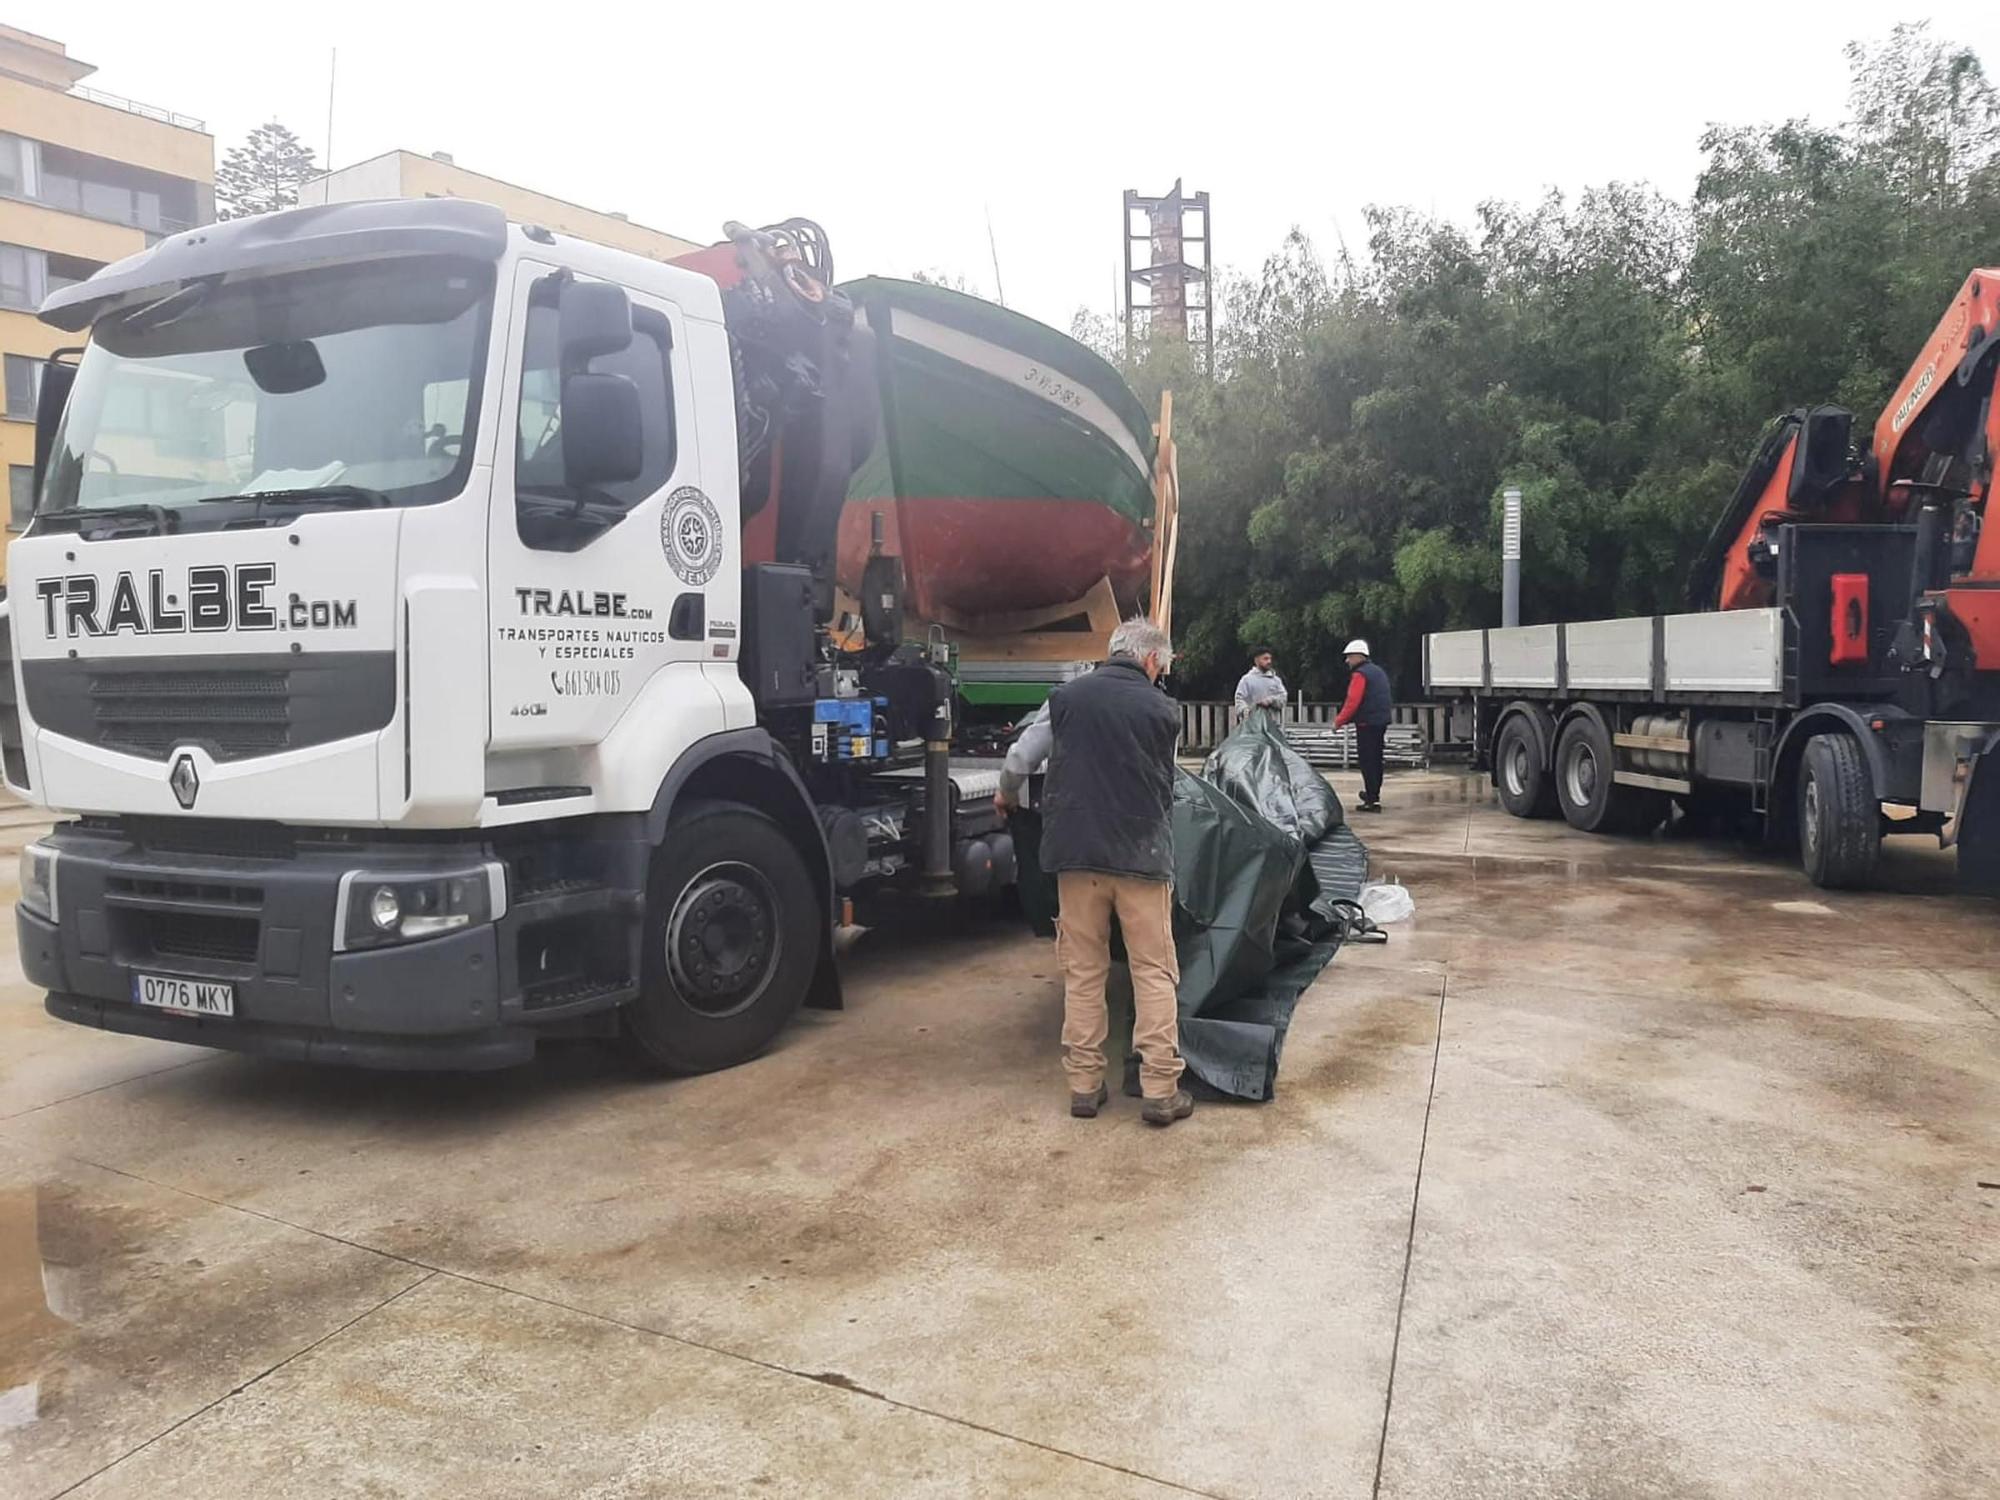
<point x="184" y="781"/>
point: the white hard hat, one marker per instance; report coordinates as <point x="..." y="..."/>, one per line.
<point x="1357" y="648"/>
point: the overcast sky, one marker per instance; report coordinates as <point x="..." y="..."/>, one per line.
<point x="902" y="127"/>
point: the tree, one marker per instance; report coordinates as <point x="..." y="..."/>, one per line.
<point x="263" y="173"/>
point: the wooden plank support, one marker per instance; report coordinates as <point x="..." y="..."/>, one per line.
<point x="1652" y="742"/>
<point x="1656" y="783"/>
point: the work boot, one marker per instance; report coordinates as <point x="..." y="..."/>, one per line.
<point x="1176" y="1106"/>
<point x="1086" y="1106"/>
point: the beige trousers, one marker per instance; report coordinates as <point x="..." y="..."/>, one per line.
<point x="1145" y="911"/>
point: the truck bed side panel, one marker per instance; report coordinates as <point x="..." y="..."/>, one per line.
<point x="1734" y="651"/>
<point x="1526" y="656"/>
<point x="1457" y="658"/>
<point x="1610" y="654"/>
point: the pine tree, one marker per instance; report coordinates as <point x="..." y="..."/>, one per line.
<point x="263" y="173"/>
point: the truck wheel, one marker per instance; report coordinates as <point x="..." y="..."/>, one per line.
<point x="1584" y="786"/>
<point x="1840" y="819"/>
<point x="732" y="934"/>
<point x="1527" y="790"/>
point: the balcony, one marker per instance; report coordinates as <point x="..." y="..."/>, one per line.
<point x="111" y="202"/>
<point x="95" y="187"/>
<point x="134" y="107"/>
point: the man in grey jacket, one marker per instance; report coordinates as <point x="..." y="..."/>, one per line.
<point x="1260" y="690"/>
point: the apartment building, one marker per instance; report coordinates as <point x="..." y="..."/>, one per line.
<point x="85" y="178"/>
<point x="405" y="174"/>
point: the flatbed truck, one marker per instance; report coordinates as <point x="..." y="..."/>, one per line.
<point x="1838" y="673"/>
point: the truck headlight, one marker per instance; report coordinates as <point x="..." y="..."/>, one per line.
<point x="379" y="909"/>
<point x="38" y="880"/>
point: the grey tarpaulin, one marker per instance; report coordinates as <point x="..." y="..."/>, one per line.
<point x="1259" y="847"/>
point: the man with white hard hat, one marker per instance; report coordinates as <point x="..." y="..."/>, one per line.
<point x="1367" y="709"/>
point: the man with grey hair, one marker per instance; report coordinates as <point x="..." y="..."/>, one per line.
<point x="1108" y="836"/>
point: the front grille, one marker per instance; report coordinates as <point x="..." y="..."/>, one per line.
<point x="203" y="935"/>
<point x="235" y="713"/>
<point x="234" y="707"/>
<point x="148" y="890"/>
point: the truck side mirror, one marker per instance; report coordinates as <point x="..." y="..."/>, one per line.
<point x="601" y="431"/>
<point x="58" y="376"/>
<point x="592" y="318"/>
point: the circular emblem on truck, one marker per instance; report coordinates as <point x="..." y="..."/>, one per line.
<point x="691" y="536"/>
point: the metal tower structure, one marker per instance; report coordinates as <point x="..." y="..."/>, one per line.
<point x="1169" y="293"/>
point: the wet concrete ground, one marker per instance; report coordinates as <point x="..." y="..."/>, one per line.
<point x="1627" y="1169"/>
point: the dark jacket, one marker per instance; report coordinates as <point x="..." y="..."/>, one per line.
<point x="1375" y="699"/>
<point x="1108" y="804"/>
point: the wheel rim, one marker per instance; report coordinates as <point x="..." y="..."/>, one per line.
<point x="1809" y="814"/>
<point x="723" y="940"/>
<point x="1580" y="774"/>
<point x="1515" y="768"/>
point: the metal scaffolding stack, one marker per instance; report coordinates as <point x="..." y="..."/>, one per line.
<point x="1333" y="749"/>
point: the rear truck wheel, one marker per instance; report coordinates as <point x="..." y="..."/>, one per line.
<point x="1840" y="818"/>
<point x="732" y="936"/>
<point x="1590" y="797"/>
<point x="1520" y="770"/>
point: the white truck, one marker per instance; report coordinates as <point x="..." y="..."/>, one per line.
<point x="385" y="621"/>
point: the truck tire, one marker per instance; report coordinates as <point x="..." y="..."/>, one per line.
<point x="1521" y="771"/>
<point x="1840" y="818"/>
<point x="1590" y="797"/>
<point x="732" y="937"/>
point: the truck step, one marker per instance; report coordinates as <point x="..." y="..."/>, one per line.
<point x="560" y="994"/>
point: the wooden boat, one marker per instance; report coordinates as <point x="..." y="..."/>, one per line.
<point x="1013" y="473"/>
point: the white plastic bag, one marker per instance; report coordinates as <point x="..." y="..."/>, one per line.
<point x="1386" y="902"/>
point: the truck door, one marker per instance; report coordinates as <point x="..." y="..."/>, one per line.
<point x="593" y="593"/>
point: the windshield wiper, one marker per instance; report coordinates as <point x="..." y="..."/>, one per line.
<point x="163" y="519"/>
<point x="350" y="495"/>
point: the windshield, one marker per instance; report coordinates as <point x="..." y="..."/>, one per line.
<point x="340" y="379"/>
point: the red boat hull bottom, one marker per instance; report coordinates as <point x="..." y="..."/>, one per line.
<point x="989" y="557"/>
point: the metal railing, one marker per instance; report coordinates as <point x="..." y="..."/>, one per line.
<point x="134" y="107"/>
<point x="65" y="195"/>
<point x="1446" y="727"/>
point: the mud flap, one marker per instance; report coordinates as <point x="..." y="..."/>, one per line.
<point x="1979" y="830"/>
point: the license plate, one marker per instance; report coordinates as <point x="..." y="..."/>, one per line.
<point x="184" y="997"/>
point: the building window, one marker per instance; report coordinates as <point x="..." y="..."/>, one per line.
<point x="24" y="384"/>
<point x="23" y="277"/>
<point x="78" y="183"/>
<point x="20" y="167"/>
<point x="20" y="495"/>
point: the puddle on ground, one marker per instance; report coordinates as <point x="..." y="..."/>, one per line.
<point x="33" y="1296"/>
<point x="55" y="1247"/>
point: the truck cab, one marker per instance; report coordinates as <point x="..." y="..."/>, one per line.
<point x="380" y="621"/>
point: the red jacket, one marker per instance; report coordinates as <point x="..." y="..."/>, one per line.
<point x="1357" y="689"/>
